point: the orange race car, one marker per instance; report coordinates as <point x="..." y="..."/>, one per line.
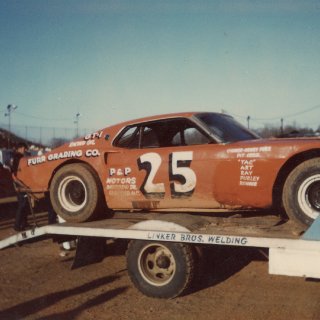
<point x="178" y="162"/>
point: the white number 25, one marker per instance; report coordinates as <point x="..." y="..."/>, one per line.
<point x="182" y="178"/>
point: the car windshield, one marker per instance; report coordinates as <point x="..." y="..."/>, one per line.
<point x="225" y="127"/>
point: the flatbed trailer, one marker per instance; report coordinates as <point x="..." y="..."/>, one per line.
<point x="164" y="247"/>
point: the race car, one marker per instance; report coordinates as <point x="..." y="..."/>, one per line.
<point x="182" y="162"/>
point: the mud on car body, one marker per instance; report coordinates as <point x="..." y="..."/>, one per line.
<point x="185" y="161"/>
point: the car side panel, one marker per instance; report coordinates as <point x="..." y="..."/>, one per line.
<point x="225" y="178"/>
<point x="37" y="171"/>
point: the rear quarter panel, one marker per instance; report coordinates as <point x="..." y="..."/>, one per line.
<point x="36" y="172"/>
<point x="247" y="171"/>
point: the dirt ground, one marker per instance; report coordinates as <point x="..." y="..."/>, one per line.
<point x="36" y="282"/>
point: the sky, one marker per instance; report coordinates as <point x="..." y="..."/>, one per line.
<point x="113" y="61"/>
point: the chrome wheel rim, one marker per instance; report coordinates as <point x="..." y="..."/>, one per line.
<point x="309" y="196"/>
<point x="72" y="193"/>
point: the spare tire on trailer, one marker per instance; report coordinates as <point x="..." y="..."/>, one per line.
<point x="161" y="269"/>
<point x="301" y="192"/>
<point x="75" y="193"/>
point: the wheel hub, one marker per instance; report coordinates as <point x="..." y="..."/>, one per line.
<point x="157" y="264"/>
<point x="309" y="196"/>
<point x="72" y="194"/>
<point x="313" y="195"/>
<point x="163" y="262"/>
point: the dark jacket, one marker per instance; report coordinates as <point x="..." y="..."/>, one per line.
<point x="15" y="163"/>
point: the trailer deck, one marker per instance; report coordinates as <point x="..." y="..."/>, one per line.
<point x="292" y="252"/>
<point x="189" y="228"/>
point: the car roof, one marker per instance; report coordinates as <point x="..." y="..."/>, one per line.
<point x="162" y="117"/>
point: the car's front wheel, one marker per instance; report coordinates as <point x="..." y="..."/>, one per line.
<point x="301" y="193"/>
<point x="75" y="193"/>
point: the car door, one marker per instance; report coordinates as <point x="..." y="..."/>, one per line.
<point x="167" y="164"/>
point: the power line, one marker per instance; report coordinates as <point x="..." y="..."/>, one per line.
<point x="39" y="118"/>
<point x="42" y="118"/>
<point x="278" y="117"/>
<point x="291" y="114"/>
<point x="233" y="114"/>
<point x="302" y="112"/>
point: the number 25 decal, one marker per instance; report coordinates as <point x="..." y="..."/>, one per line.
<point x="182" y="178"/>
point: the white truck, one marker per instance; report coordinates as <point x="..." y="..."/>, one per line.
<point x="164" y="249"/>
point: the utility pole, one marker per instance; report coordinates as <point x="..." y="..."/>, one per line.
<point x="77" y="124"/>
<point x="40" y="135"/>
<point x="10" y="109"/>
<point x="248" y="121"/>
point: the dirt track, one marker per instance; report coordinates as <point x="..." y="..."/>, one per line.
<point x="37" y="283"/>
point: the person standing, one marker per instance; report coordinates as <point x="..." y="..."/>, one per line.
<point x="52" y="216"/>
<point x="21" y="219"/>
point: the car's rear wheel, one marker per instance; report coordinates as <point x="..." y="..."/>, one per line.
<point x="74" y="192"/>
<point x="301" y="193"/>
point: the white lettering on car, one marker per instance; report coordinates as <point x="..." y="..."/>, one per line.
<point x="36" y="160"/>
<point x="182" y="178"/>
<point x="151" y="163"/>
<point x="92" y="153"/>
<point x="65" y="154"/>
<point x="119" y="172"/>
<point x="94" y="135"/>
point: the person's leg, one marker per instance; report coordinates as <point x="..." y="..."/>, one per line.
<point x="52" y="216"/>
<point x="24" y="214"/>
<point x="21" y="213"/>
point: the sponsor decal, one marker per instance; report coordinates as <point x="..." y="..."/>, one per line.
<point x="74" y="144"/>
<point x="247" y="177"/>
<point x="63" y="155"/>
<point x="89" y="140"/>
<point x="119" y="183"/>
<point x="92" y="153"/>
<point x="94" y="135"/>
<point x="69" y="154"/>
<point x="198" y="238"/>
<point x="120" y="171"/>
<point x="36" y="160"/>
<point x="255" y="152"/>
<point x="247" y="158"/>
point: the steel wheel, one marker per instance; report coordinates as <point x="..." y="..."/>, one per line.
<point x="301" y="192"/>
<point x="157" y="264"/>
<point x="72" y="193"/>
<point x="161" y="269"/>
<point x="309" y="196"/>
<point x="75" y="193"/>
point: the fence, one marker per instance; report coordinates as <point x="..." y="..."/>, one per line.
<point x="48" y="136"/>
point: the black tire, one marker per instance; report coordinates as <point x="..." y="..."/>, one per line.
<point x="159" y="269"/>
<point x="301" y="193"/>
<point x="75" y="193"/>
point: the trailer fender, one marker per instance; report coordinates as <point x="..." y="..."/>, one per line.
<point x="172" y="222"/>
